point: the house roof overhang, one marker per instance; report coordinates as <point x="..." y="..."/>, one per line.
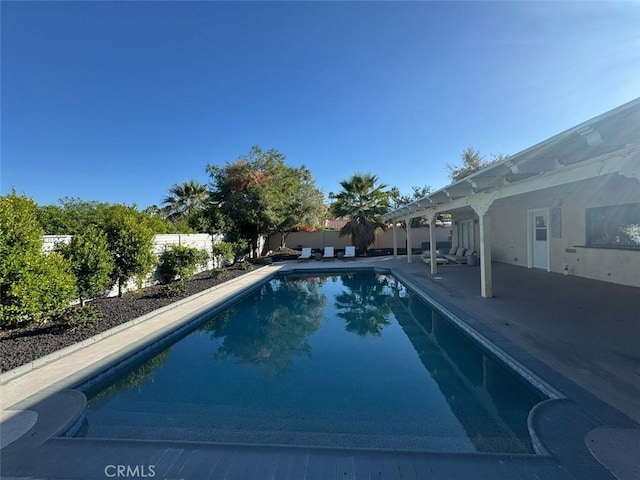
<point x="606" y="144"/>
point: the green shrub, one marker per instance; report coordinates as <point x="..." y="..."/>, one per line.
<point x="240" y="249"/>
<point x="32" y="284"/>
<point x="174" y="289"/>
<point x="219" y="273"/>
<point x="244" y="265"/>
<point x="44" y="286"/>
<point x="91" y="262"/>
<point x="223" y="252"/>
<point x="76" y="316"/>
<point x="180" y="262"/>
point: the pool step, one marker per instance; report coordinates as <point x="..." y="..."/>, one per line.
<point x="294" y="438"/>
<point x="225" y="424"/>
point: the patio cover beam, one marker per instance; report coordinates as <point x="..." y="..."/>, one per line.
<point x="624" y="162"/>
<point x="603" y="146"/>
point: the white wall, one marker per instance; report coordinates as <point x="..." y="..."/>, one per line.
<point x="50" y="242"/>
<point x="202" y="241"/>
<point x="509" y="229"/>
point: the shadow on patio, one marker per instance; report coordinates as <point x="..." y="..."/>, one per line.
<point x="586" y="329"/>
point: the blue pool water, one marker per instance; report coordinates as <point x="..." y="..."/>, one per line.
<point x="347" y="360"/>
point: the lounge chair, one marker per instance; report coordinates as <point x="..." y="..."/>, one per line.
<point x="305" y="256"/>
<point x="349" y="253"/>
<point x="328" y="254"/>
<point x="460" y="256"/>
<point x="452" y="251"/>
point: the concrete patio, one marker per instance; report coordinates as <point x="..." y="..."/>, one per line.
<point x="580" y="336"/>
<point x="587" y="330"/>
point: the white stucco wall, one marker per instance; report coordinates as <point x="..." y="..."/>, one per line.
<point x="509" y="229"/>
<point x="51" y="242"/>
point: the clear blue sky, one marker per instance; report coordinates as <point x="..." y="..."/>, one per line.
<point x="117" y="101"/>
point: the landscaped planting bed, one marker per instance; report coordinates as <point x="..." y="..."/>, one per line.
<point x="23" y="345"/>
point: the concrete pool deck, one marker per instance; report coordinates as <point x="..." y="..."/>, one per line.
<point x="583" y="339"/>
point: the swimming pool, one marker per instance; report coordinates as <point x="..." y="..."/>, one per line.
<point x="354" y="360"/>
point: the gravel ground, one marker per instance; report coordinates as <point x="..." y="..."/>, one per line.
<point x="24" y="345"/>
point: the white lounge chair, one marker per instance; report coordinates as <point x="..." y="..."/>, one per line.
<point x="305" y="255"/>
<point x="460" y="256"/>
<point x="328" y="254"/>
<point x="349" y="253"/>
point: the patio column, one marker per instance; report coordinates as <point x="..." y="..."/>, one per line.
<point x="486" y="279"/>
<point x="431" y="217"/>
<point x="408" y="220"/>
<point x="394" y="235"/>
<point x="481" y="205"/>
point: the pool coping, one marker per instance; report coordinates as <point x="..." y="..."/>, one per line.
<point x="270" y="273"/>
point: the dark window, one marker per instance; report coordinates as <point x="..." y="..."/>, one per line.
<point x="614" y="226"/>
<point x="541" y="234"/>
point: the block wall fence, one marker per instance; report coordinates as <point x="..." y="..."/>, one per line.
<point x="332" y="238"/>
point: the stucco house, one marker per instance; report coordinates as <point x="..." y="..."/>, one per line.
<point x="570" y="204"/>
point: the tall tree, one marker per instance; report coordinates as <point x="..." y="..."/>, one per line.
<point x="209" y="220"/>
<point x="362" y="202"/>
<point x="154" y="217"/>
<point x="72" y="216"/>
<point x="130" y="242"/>
<point x="185" y="200"/>
<point x="259" y="194"/>
<point x="91" y="262"/>
<point x="293" y="200"/>
<point x="471" y="163"/>
<point x="32" y="284"/>
<point x="237" y="189"/>
<point x="398" y="200"/>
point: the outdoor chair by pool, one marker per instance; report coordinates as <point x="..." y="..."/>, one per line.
<point x="349" y="253"/>
<point x="452" y="251"/>
<point x="328" y="254"/>
<point x="305" y="255"/>
<point x="459" y="257"/>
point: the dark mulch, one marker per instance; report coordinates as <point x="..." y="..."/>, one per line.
<point x="23" y="345"/>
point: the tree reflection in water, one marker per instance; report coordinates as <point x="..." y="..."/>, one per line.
<point x="273" y="328"/>
<point x="363" y="304"/>
<point x="134" y="379"/>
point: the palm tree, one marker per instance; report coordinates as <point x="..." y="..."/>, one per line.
<point x="185" y="199"/>
<point x="362" y="202"/>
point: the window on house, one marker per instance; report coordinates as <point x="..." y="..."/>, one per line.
<point x="616" y="226"/>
